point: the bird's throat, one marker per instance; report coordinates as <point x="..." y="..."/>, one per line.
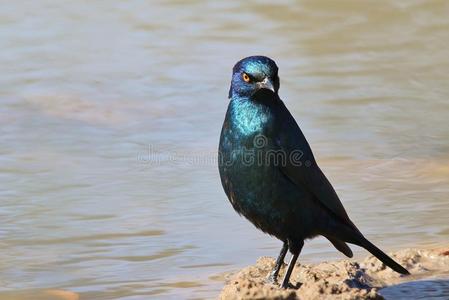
<point x="249" y="116"/>
<point x="265" y="96"/>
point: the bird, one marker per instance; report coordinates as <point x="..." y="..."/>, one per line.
<point x="269" y="173"/>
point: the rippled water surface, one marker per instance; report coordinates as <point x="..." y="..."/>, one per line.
<point x="109" y="122"/>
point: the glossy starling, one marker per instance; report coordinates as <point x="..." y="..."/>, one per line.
<point x="270" y="175"/>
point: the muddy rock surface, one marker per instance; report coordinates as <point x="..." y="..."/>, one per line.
<point x="348" y="279"/>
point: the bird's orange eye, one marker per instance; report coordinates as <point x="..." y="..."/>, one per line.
<point x="246" y="77"/>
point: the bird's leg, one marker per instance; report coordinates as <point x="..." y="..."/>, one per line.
<point x="291" y="265"/>
<point x="295" y="249"/>
<point x="273" y="278"/>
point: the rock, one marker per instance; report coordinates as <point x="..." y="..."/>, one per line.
<point x="345" y="279"/>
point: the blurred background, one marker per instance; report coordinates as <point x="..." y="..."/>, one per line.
<point x="110" y="115"/>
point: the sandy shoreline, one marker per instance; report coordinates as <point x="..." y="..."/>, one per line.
<point x="349" y="279"/>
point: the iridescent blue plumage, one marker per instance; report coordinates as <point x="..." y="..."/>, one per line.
<point x="269" y="173"/>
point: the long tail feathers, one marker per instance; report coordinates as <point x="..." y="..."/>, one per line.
<point x="382" y="256"/>
<point x="350" y="234"/>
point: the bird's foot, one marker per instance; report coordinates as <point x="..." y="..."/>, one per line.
<point x="288" y="285"/>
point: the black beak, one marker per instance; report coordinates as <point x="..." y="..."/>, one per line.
<point x="266" y="84"/>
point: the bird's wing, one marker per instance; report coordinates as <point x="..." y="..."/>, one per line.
<point x="311" y="178"/>
<point x="304" y="171"/>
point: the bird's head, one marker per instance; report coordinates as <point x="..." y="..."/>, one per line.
<point x="253" y="74"/>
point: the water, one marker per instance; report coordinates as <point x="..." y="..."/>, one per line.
<point x="110" y="116"/>
<point x="436" y="289"/>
